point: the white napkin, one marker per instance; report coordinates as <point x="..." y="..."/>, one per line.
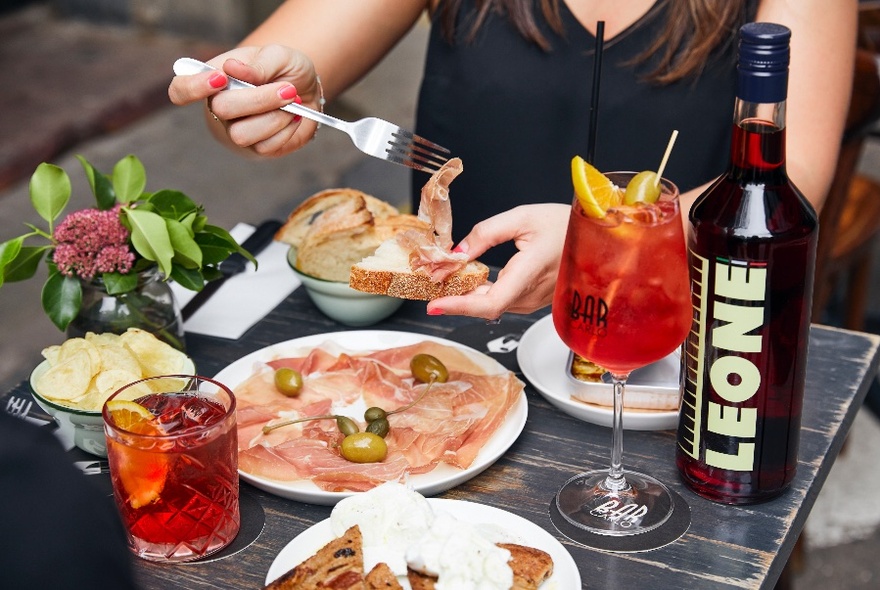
<point x="246" y="298"/>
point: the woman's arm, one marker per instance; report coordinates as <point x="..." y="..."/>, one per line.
<point x="336" y="39"/>
<point x="823" y="42"/>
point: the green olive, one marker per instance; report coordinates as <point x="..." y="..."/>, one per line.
<point x="374" y="413"/>
<point x="364" y="447"/>
<point x="644" y="187"/>
<point x="346" y="425"/>
<point x="427" y="368"/>
<point x="379" y="426"/>
<point x="288" y="381"/>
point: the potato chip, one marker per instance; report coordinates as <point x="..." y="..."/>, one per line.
<point x="111" y="380"/>
<point x="74" y="345"/>
<point x="155" y="357"/>
<point x="104" y="339"/>
<point x="69" y="379"/>
<point x="84" y="372"/>
<point x="119" y="357"/>
<point x="169" y="385"/>
<point x="50" y="353"/>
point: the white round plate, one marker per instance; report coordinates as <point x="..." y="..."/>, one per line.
<point x="442" y="477"/>
<point x="522" y="531"/>
<point x="543" y="359"/>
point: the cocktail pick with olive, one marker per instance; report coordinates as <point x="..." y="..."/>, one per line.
<point x="425" y="368"/>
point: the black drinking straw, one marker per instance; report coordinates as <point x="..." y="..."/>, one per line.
<point x="594" y="103"/>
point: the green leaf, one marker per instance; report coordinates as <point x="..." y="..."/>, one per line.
<point x="117" y="283"/>
<point x="149" y="236"/>
<point x="188" y="278"/>
<point x="222" y="233"/>
<point x="129" y="179"/>
<point x="215" y="249"/>
<point x="186" y="251"/>
<point x="10" y="249"/>
<point x="61" y="298"/>
<point x="100" y="184"/>
<point x="49" y="191"/>
<point x="172" y="204"/>
<point x="23" y="265"/>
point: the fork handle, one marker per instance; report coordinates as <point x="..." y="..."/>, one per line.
<point x="186" y="66"/>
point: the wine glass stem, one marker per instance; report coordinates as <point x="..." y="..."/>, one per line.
<point x="615" y="482"/>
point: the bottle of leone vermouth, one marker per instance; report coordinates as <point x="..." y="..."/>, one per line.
<point x="751" y="246"/>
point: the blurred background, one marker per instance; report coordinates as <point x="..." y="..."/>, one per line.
<point x="90" y="77"/>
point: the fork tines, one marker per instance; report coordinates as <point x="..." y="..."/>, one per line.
<point x="416" y="152"/>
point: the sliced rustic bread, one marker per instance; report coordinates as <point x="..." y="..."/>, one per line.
<point x="336" y="228"/>
<point x="299" y="222"/>
<point x="388" y="272"/>
<point x="330" y="254"/>
<point x="339" y="564"/>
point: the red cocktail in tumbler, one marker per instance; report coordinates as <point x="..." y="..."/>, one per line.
<point x="174" y="465"/>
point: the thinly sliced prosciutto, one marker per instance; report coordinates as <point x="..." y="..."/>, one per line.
<point x="448" y="425"/>
<point x="431" y="253"/>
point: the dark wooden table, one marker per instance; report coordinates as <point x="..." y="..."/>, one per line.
<point x="725" y="547"/>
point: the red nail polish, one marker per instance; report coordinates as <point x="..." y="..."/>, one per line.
<point x="298" y="99"/>
<point x="435" y="311"/>
<point x="288" y="93"/>
<point x="217" y="80"/>
<point x="297" y="118"/>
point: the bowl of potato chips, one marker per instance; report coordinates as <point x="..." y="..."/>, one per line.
<point x="79" y="374"/>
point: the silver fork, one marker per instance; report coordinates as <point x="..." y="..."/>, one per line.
<point x="373" y="136"/>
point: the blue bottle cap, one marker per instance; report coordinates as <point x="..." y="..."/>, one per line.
<point x="763" y="62"/>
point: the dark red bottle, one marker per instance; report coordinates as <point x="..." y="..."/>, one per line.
<point x="752" y="248"/>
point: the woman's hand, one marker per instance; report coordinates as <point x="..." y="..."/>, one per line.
<point x="250" y="118"/>
<point x="527" y="282"/>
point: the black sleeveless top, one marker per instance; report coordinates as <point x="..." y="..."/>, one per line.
<point x="516" y="114"/>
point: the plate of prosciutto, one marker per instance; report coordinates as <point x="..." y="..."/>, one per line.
<point x="448" y="436"/>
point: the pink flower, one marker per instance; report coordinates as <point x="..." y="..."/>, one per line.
<point x="92" y="241"/>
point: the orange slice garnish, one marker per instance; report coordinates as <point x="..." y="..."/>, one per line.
<point x="595" y="192"/>
<point x="142" y="473"/>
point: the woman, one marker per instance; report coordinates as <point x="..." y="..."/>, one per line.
<point x="507" y="87"/>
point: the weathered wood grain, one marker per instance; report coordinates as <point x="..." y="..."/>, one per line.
<point x="725" y="547"/>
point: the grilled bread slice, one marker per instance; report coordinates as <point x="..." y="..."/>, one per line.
<point x="338" y="565"/>
<point x="388" y="272"/>
<point x="381" y="578"/>
<point x="531" y="567"/>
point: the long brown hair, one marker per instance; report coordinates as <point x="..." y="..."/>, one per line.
<point x="694" y="29"/>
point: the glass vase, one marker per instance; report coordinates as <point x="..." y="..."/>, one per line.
<point x="150" y="306"/>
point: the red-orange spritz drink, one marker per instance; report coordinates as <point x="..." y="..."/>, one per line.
<point x="174" y="466"/>
<point x="622" y="298"/>
<point x="622" y="301"/>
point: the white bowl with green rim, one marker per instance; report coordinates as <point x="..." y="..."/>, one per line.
<point x="340" y="302"/>
<point x="84" y="427"/>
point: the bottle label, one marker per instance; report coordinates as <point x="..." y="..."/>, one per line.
<point x="729" y="300"/>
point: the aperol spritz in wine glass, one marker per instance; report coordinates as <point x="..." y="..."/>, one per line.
<point x="622" y="301"/>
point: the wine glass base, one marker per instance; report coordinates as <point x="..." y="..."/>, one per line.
<point x="665" y="529"/>
<point x="586" y="502"/>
